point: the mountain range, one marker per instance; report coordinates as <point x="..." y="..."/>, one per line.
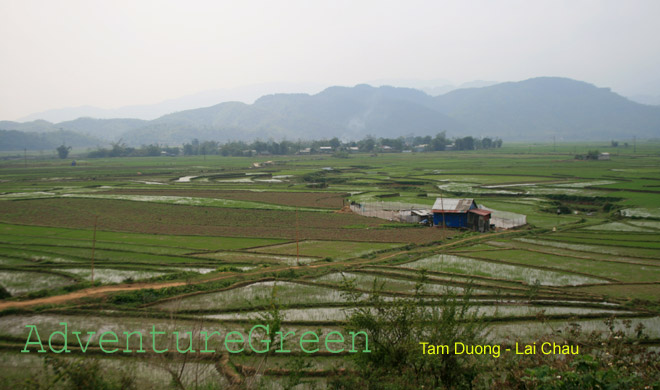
<point x="531" y="110"/>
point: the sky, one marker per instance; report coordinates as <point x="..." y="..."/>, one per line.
<point x="108" y="54"/>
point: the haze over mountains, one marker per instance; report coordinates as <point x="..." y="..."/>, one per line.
<point x="530" y="110"/>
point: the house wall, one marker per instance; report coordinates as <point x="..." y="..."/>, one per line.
<point x="454" y="220"/>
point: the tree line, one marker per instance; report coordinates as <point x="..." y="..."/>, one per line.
<point x="369" y="144"/>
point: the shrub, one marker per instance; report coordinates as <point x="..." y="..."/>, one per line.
<point x="4" y="294"/>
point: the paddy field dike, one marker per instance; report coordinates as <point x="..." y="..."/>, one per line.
<point x="231" y="246"/>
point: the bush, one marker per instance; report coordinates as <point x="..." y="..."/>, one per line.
<point x="395" y="330"/>
<point x="4" y="294"/>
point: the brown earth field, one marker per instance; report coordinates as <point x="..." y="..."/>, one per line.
<point x="302" y="199"/>
<point x="156" y="218"/>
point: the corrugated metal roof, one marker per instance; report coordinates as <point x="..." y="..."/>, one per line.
<point x="480" y="212"/>
<point x="421" y="213"/>
<point x="452" y="204"/>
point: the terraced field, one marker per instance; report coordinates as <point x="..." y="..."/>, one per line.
<point x="252" y="250"/>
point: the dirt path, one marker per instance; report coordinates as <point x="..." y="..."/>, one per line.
<point x="88" y="292"/>
<point x="103" y="290"/>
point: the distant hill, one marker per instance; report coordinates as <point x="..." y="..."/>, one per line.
<point x="245" y="94"/>
<point x="38" y="125"/>
<point x="13" y="140"/>
<point x="540" y="108"/>
<point x="650" y="100"/>
<point x="107" y="129"/>
<point x="531" y="110"/>
<point x="337" y="111"/>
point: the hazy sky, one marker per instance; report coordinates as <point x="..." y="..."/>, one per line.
<point x="109" y="54"/>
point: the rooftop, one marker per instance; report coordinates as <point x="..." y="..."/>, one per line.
<point x="452" y="205"/>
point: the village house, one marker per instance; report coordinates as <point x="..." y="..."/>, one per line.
<point x="460" y="213"/>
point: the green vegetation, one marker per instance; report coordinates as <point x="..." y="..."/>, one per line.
<point x="213" y="242"/>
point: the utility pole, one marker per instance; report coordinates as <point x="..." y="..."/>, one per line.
<point x="635" y="144"/>
<point x="25" y="156"/>
<point x="554" y="143"/>
<point x="444" y="226"/>
<point x="297" y="245"/>
<point x="96" y="219"/>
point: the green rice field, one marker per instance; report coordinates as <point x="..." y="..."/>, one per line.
<point x="192" y="244"/>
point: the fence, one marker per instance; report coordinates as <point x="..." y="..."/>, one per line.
<point x="505" y="219"/>
<point x="401" y="212"/>
<point x="391" y="211"/>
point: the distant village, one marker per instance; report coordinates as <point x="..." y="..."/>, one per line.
<point x="333" y="146"/>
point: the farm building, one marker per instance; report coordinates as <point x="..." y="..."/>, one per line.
<point x="460" y="213"/>
<point x="420" y="215"/>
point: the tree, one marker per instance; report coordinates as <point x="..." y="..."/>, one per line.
<point x="367" y="145"/>
<point x="335" y="143"/>
<point x="63" y="151"/>
<point x="466" y="143"/>
<point x="439" y="142"/>
<point x="395" y="329"/>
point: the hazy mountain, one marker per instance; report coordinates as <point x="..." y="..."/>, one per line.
<point x="12" y="140"/>
<point x="434" y="87"/>
<point x="534" y="109"/>
<point x="246" y="94"/>
<point x="105" y="129"/>
<point x="650" y="100"/>
<point x="540" y="108"/>
<point x="38" y="125"/>
<point x="337" y="111"/>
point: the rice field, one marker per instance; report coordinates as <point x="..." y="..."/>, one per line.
<point x="196" y="244"/>
<point x="256" y="258"/>
<point x="332" y="314"/>
<point x="619" y="227"/>
<point x="256" y="294"/>
<point x="18" y="283"/>
<point x="531" y="276"/>
<point x="107" y="275"/>
<point x="337" y="250"/>
<point x="608" y="250"/>
<point x="368" y="282"/>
